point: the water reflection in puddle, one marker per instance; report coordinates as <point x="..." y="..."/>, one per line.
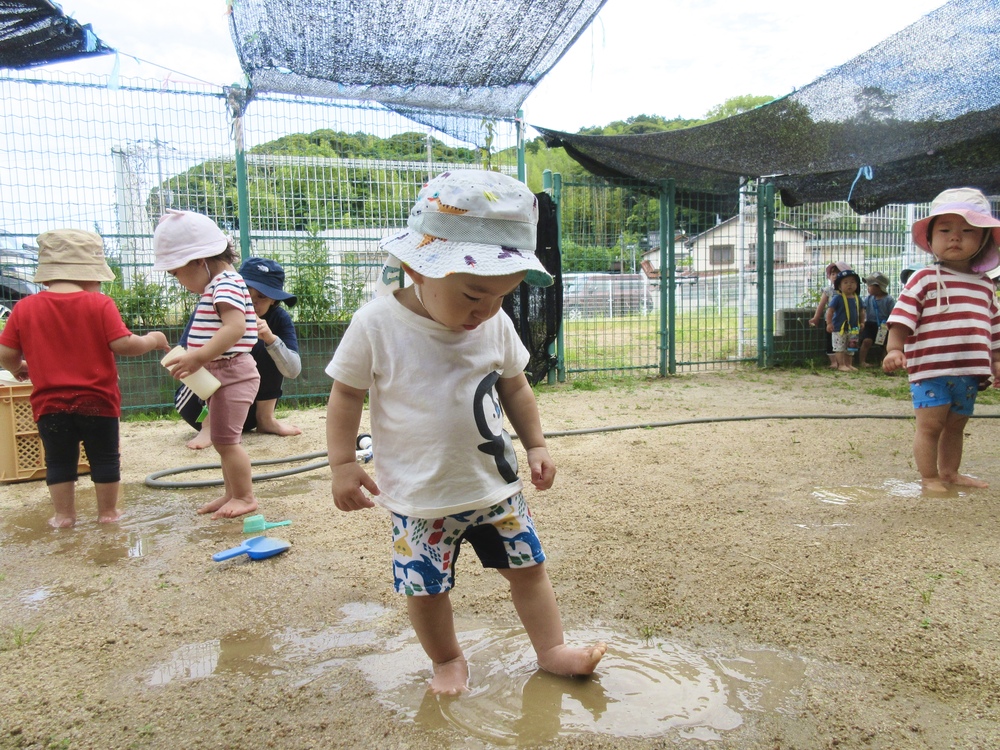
<point x="642" y="690"/>
<point x="891" y="488"/>
<point x="148" y="516"/>
<point x="260" y="654"/>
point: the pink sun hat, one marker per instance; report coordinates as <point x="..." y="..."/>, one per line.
<point x="972" y="206"/>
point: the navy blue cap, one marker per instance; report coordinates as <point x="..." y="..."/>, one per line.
<point x="268" y="278"/>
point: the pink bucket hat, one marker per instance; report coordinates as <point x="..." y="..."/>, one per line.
<point x="972" y="206"/>
<point x="183" y="236"/>
<point x="471" y="221"/>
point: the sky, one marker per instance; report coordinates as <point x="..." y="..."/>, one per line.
<point x="673" y="58"/>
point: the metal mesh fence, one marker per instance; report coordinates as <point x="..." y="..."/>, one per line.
<point x="740" y="293"/>
<point x="322" y="182"/>
<point x="316" y="184"/>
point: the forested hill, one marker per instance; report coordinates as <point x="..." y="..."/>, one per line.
<point x="297" y="190"/>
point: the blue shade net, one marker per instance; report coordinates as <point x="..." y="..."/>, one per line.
<point x="918" y="113"/>
<point x="427" y="59"/>
<point x="37" y="32"/>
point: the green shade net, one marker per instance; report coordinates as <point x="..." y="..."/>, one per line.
<point x="920" y="111"/>
<point x="426" y="59"/>
<point x="36" y="32"/>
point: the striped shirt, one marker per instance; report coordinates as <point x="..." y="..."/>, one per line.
<point x="230" y="288"/>
<point x="955" y="322"/>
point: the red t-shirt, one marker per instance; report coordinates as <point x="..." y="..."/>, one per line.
<point x="64" y="339"/>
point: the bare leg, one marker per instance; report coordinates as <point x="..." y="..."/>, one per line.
<point x="267" y="422"/>
<point x="238" y="499"/>
<point x="202" y="440"/>
<point x="434" y="623"/>
<point x="834" y="361"/>
<point x="930" y="427"/>
<point x="866" y="345"/>
<point x="949" y="452"/>
<point x="844" y="362"/>
<point x="535" y="602"/>
<point x="63" y="496"/>
<point x="107" y="501"/>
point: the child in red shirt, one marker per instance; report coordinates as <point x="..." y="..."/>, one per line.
<point x="69" y="334"/>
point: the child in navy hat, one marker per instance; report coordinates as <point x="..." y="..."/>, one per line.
<point x="441" y="363"/>
<point x="276" y="354"/>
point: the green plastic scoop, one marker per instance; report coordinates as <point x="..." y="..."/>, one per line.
<point x="257" y="524"/>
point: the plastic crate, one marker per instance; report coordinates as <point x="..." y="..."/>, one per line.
<point x="22" y="456"/>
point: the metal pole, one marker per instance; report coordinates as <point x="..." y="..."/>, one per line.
<point x="552" y="184"/>
<point x="769" y="273"/>
<point x="242" y="190"/>
<point x="519" y="127"/>
<point x="668" y="278"/>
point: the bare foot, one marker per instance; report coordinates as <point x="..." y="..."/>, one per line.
<point x="935" y="485"/>
<point x="450" y="677"/>
<point x="200" y="441"/>
<point x="840" y="368"/>
<point x="570" y="661"/>
<point x="109" y="516"/>
<point x="852" y="369"/>
<point x="237" y="506"/>
<point x="965" y="480"/>
<point x="59" y="521"/>
<point x="278" y="428"/>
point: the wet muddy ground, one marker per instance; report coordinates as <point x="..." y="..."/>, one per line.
<point x="762" y="584"/>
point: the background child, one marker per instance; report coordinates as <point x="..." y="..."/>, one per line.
<point x="276" y="354"/>
<point x="878" y="305"/>
<point x="844" y="318"/>
<point x="69" y="334"/>
<point x="442" y="363"/>
<point x="195" y="252"/>
<point x="832" y="270"/>
<point x="945" y="330"/>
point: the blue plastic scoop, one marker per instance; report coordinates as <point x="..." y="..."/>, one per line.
<point x="258" y="548"/>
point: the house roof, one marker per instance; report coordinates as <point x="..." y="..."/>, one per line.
<point x="777" y="225"/>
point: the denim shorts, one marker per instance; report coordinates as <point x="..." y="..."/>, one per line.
<point x="957" y="391"/>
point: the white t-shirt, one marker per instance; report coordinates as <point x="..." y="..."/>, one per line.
<point x="437" y="426"/>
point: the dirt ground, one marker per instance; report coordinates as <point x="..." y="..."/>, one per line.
<point x="761" y="583"/>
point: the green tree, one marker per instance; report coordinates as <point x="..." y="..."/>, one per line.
<point x="735" y="106"/>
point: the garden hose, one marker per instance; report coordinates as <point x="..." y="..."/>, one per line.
<point x="153" y="480"/>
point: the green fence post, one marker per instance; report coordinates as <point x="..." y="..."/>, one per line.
<point x="553" y="183"/>
<point x="668" y="302"/>
<point x="237" y="105"/>
<point x="768" y="273"/>
<point x="760" y="260"/>
<point x="522" y="172"/>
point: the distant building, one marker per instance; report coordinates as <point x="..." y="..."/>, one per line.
<point x="721" y="248"/>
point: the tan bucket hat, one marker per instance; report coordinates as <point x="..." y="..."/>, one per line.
<point x="71" y="255"/>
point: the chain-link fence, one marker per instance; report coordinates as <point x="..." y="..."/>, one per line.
<point x="309" y="183"/>
<point x="651" y="285"/>
<point x="746" y="286"/>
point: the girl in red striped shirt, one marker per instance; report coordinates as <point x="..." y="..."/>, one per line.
<point x="945" y="330"/>
<point x="192" y="249"/>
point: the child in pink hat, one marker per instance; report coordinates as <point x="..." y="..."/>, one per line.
<point x="945" y="330"/>
<point x="441" y="363"/>
<point x="191" y="248"/>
